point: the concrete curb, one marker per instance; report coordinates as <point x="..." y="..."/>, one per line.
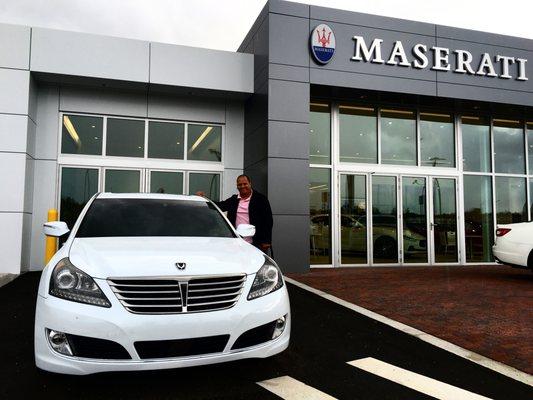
<point x="435" y="341"/>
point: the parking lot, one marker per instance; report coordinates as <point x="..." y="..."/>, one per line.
<point x="325" y="338"/>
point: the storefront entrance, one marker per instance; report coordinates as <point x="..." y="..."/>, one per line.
<point x="391" y="219"/>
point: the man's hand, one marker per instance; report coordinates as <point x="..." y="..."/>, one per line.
<point x="200" y="193"/>
<point x="265" y="247"/>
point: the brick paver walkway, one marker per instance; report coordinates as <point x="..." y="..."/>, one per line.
<point x="485" y="309"/>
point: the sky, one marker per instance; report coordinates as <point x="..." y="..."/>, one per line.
<point x="223" y="24"/>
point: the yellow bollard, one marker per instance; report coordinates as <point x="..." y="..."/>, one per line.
<point x="51" y="242"/>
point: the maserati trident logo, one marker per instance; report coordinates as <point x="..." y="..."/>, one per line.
<point x="180" y="265"/>
<point x="322" y="43"/>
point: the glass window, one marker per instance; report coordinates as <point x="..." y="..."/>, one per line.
<point x="319" y="134"/>
<point x="358" y="134"/>
<point x="125" y="137"/>
<point x="384" y="219"/>
<point x="531" y="198"/>
<point x="165" y="140"/>
<point x="530" y="146"/>
<point x="78" y="185"/>
<point x="508" y="147"/>
<point x="476" y="144"/>
<point x="437" y="140"/>
<point x="320" y="215"/>
<point x="122" y="180"/>
<point x="207" y="183"/>
<point x="398" y="137"/>
<point x="445" y="220"/>
<point x="414" y="219"/>
<point x="511" y="203"/>
<point x="150" y="217"/>
<point x="479" y="227"/>
<point x="166" y="182"/>
<point x="353" y="219"/>
<point x="81" y="135"/>
<point x="204" y="142"/>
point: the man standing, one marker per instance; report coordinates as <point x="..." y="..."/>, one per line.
<point x="249" y="207"/>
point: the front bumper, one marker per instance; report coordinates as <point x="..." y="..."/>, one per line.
<point x="118" y="325"/>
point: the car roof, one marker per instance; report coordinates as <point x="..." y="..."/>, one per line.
<point x="151" y="196"/>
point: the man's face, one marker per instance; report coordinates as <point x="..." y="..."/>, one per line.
<point x="244" y="187"/>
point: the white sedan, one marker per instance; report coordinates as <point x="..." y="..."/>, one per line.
<point x="149" y="281"/>
<point x="514" y="245"/>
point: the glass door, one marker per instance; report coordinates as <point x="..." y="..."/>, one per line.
<point x="384" y="227"/>
<point x="414" y="220"/>
<point x="353" y="217"/>
<point x="443" y="220"/>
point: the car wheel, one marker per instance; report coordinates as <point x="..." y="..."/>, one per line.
<point x="386" y="247"/>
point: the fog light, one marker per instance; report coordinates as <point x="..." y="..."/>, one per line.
<point x="280" y="326"/>
<point x="59" y="342"/>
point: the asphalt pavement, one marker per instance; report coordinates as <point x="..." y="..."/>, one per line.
<point x="325" y="338"/>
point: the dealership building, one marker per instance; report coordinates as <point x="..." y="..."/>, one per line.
<point x="378" y="141"/>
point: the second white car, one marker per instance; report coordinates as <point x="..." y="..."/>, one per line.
<point x="514" y="245"/>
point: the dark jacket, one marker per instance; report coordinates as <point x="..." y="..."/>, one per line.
<point x="259" y="212"/>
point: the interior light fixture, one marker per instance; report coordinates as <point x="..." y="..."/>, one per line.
<point x="201" y="138"/>
<point x="72" y="131"/>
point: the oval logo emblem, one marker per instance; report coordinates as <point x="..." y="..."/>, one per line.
<point x="322" y="43"/>
<point x="180" y="265"/>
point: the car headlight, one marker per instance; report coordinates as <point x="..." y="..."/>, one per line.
<point x="70" y="283"/>
<point x="267" y="280"/>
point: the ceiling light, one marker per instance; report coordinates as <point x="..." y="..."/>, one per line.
<point x="201" y="138"/>
<point x="72" y="131"/>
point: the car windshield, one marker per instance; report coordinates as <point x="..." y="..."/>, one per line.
<point x="153" y="217"/>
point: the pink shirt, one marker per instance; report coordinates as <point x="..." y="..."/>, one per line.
<point x="242" y="214"/>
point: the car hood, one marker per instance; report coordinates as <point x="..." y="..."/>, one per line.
<point x="157" y="256"/>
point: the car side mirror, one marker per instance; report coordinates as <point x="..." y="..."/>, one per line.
<point x="55" y="228"/>
<point x="246" y="230"/>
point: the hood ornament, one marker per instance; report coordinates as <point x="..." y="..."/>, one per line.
<point x="180" y="265"/>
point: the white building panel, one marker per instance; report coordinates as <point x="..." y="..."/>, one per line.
<point x="82" y="54"/>
<point x="13" y="133"/>
<point x="11" y="240"/>
<point x="15" y="86"/>
<point x="14" y="46"/>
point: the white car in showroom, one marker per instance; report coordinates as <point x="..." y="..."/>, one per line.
<point x="152" y="281"/>
<point x="514" y="245"/>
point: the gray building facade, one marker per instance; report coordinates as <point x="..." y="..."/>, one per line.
<point x="298" y="127"/>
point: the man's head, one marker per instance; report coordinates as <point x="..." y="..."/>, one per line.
<point x="244" y="185"/>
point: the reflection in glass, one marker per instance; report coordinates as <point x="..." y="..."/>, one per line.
<point x="125" y="137"/>
<point x="122" y="181"/>
<point x="414" y="220"/>
<point x="77" y="187"/>
<point x="358" y="134"/>
<point x="510" y="200"/>
<point x="353" y="219"/>
<point x="207" y="183"/>
<point x="204" y="142"/>
<point x="476" y="144"/>
<point x="437" y="140"/>
<point x="508" y="147"/>
<point x="166" y="182"/>
<point x="165" y="140"/>
<point x="320" y="215"/>
<point x="398" y="137"/>
<point x="319" y="134"/>
<point x="81" y="135"/>
<point x="530" y="146"/>
<point x="445" y="220"/>
<point x="384" y="219"/>
<point x="531" y="198"/>
<point x="479" y="228"/>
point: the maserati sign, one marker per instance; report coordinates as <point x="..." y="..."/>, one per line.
<point x="322" y="43"/>
<point x="464" y="62"/>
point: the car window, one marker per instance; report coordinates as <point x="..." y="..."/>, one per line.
<point x="152" y="217"/>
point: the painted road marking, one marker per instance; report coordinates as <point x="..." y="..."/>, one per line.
<point x="291" y="389"/>
<point x="412" y="380"/>
<point x="435" y="341"/>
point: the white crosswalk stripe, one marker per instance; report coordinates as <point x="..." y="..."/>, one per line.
<point x="291" y="389"/>
<point x="420" y="383"/>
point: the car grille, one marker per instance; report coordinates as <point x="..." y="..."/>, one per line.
<point x="179" y="295"/>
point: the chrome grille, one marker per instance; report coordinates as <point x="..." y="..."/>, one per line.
<point x="179" y="295"/>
